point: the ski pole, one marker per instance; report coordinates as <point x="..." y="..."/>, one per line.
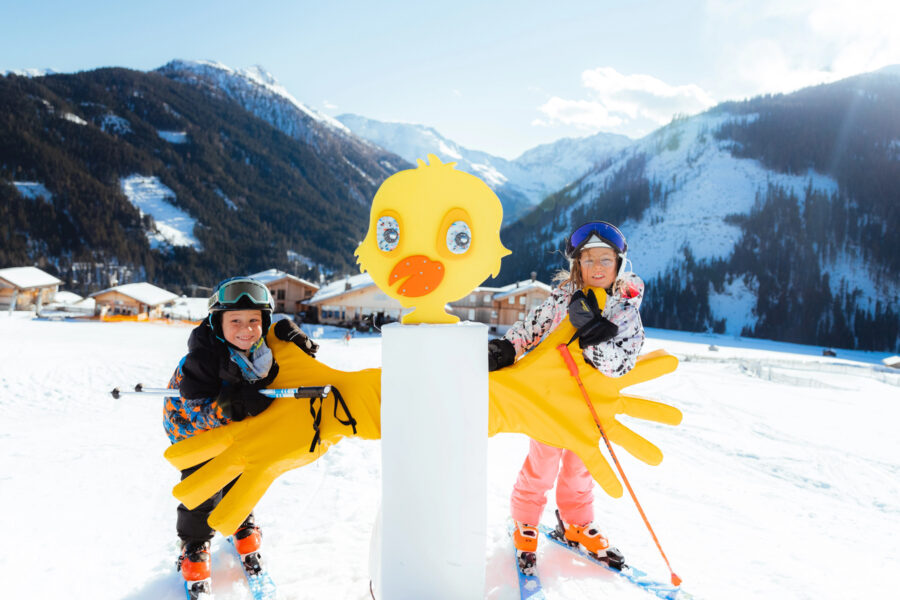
<point x="573" y="369"/>
<point x="320" y="391"/>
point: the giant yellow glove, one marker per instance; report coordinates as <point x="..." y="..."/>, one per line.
<point x="259" y="449"/>
<point x="537" y="396"/>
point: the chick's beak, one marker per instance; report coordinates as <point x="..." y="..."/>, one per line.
<point x="416" y="275"/>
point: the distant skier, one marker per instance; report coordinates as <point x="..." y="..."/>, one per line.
<point x="610" y="339"/>
<point x="219" y="381"/>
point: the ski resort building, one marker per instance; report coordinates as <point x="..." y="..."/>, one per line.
<point x="354" y="301"/>
<point x="22" y="288"/>
<point x="477" y="306"/>
<point x="142" y="300"/>
<point x="291" y="293"/>
<point x="512" y="302"/>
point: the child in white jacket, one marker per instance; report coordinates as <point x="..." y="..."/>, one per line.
<point x="610" y="340"/>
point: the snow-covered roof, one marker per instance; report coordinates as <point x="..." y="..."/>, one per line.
<point x="64" y="297"/>
<point x="28" y="277"/>
<point x="339" y="287"/>
<point x="143" y="292"/>
<point x="521" y="286"/>
<point x="272" y="275"/>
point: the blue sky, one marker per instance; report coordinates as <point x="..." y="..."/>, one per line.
<point x="499" y="76"/>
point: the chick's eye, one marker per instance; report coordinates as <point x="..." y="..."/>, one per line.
<point x="459" y="237"/>
<point x="388" y="231"/>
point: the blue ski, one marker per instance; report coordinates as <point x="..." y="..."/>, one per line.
<point x="261" y="585"/>
<point x="198" y="590"/>
<point x="665" y="591"/>
<point x="529" y="585"/>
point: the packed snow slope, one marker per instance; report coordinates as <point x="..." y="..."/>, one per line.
<point x="783" y="481"/>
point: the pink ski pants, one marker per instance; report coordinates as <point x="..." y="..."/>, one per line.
<point x="574" y="487"/>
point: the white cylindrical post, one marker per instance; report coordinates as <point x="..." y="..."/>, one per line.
<point x="434" y="425"/>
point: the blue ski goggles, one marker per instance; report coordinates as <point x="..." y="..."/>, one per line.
<point x="607" y="232"/>
<point x="231" y="291"/>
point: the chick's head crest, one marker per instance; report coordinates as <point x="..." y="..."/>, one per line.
<point x="434" y="235"/>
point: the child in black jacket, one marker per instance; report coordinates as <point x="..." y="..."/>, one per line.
<point x="220" y="380"/>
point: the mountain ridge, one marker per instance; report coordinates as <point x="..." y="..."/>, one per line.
<point x="520" y="183"/>
<point x="818" y="166"/>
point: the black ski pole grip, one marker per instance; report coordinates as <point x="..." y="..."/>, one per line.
<point x="319" y="391"/>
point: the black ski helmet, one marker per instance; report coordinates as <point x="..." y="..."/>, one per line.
<point x="240" y="293"/>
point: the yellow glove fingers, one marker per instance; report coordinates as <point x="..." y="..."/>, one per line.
<point x="208" y="479"/>
<point x="650" y="410"/>
<point x="600" y="470"/>
<point x="636" y="445"/>
<point x="648" y="366"/>
<point x="239" y="501"/>
<point x="199" y="448"/>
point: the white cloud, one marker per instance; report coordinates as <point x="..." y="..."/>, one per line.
<point x="631" y="104"/>
<point x="783" y="46"/>
<point x="329" y="105"/>
<point x="584" y="114"/>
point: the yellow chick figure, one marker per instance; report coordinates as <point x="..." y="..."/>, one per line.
<point x="434" y="235"/>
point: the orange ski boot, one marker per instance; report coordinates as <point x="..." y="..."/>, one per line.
<point x="589" y="539"/>
<point x="194" y="566"/>
<point x="525" y="541"/>
<point x="247" y="541"/>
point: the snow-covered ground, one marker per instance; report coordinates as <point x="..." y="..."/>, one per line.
<point x="783" y="481"/>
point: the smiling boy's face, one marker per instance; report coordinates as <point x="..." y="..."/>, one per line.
<point x="242" y="328"/>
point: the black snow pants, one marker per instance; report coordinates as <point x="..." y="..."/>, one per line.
<point x="192" y="525"/>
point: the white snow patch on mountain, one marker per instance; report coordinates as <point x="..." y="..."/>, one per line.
<point x="115" y="124"/>
<point x="174" y="227"/>
<point x="74" y="118"/>
<point x="850" y="271"/>
<point x="894" y="150"/>
<point x="228" y="201"/>
<point x="33" y="190"/>
<point x="29" y="72"/>
<point x="356" y="168"/>
<point x="735" y="304"/>
<point x="174" y="137"/>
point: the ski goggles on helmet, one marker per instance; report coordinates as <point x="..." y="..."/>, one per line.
<point x="606" y="232"/>
<point x="233" y="291"/>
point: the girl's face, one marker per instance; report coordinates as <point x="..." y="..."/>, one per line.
<point x="242" y="328"/>
<point x="598" y="267"/>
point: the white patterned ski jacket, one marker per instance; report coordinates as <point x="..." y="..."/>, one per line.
<point x="613" y="357"/>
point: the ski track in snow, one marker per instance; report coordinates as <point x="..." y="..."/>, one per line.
<point x="783" y="481"/>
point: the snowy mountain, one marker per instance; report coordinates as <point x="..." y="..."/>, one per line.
<point x="776" y="478"/>
<point x="258" y="92"/>
<point x="203" y="142"/>
<point x="520" y="184"/>
<point x="773" y="217"/>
